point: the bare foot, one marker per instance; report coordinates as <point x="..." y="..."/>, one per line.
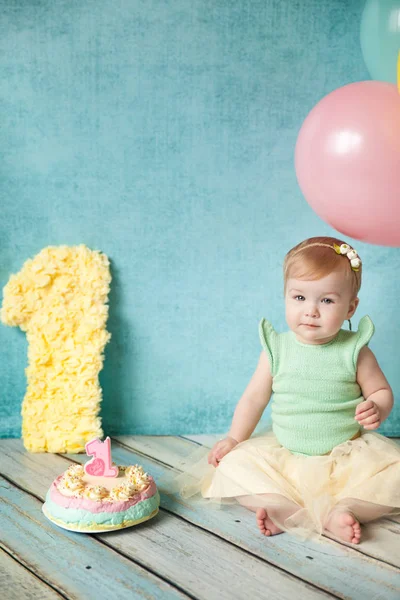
<point x="344" y="526"/>
<point x="264" y="523"/>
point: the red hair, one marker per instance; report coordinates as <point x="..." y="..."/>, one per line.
<point x="315" y="258"/>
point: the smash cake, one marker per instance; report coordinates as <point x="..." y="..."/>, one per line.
<point x="90" y="498"/>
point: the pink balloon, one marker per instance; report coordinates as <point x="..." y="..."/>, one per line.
<point x="347" y="161"/>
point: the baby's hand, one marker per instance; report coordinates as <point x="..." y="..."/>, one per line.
<point x="367" y="414"/>
<point x="219" y="450"/>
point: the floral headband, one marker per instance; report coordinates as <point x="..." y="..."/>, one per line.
<point x="355" y="260"/>
<point x="344" y="249"/>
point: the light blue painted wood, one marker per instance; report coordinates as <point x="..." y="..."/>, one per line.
<point x="333" y="567"/>
<point x="21" y="583"/>
<point x="61" y="557"/>
<point x="34" y="472"/>
<point x="198" y="563"/>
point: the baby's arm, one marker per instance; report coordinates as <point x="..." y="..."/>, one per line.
<point x="248" y="410"/>
<point x="253" y="402"/>
<point x="376" y="390"/>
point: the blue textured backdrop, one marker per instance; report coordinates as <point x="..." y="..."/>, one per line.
<point x="162" y="133"/>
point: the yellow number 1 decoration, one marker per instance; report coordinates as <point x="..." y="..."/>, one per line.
<point x="60" y="299"/>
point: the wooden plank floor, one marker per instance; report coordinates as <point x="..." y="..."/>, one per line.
<point x="187" y="551"/>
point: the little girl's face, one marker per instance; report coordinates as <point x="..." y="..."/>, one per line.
<point x="315" y="310"/>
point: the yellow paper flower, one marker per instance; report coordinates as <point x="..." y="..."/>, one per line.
<point x="60" y="299"/>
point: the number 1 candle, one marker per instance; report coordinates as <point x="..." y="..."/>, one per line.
<point x="101" y="464"/>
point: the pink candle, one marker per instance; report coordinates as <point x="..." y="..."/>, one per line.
<point x="100" y="464"/>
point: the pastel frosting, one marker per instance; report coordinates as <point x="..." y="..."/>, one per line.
<point x="82" y="501"/>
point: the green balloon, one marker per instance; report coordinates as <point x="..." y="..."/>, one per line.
<point x="380" y="38"/>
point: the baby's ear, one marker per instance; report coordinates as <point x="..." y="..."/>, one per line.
<point x="353" y="307"/>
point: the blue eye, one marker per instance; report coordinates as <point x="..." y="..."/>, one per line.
<point x="327" y="301"/>
<point x="301" y="298"/>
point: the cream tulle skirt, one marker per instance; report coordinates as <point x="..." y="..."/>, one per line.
<point x="360" y="475"/>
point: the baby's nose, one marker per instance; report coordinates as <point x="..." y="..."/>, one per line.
<point x="311" y="311"/>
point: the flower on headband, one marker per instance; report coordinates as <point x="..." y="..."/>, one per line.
<point x="343" y="249"/>
<point x="351" y="254"/>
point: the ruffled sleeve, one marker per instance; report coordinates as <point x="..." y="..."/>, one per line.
<point x="364" y="334"/>
<point x="268" y="341"/>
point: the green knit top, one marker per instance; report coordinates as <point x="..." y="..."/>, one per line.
<point x="315" y="391"/>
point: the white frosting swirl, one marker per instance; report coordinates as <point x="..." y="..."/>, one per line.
<point x="123" y="492"/>
<point x="135" y="480"/>
<point x="74" y="484"/>
<point x="95" y="492"/>
<point x="137" y="477"/>
<point x="76" y="470"/>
